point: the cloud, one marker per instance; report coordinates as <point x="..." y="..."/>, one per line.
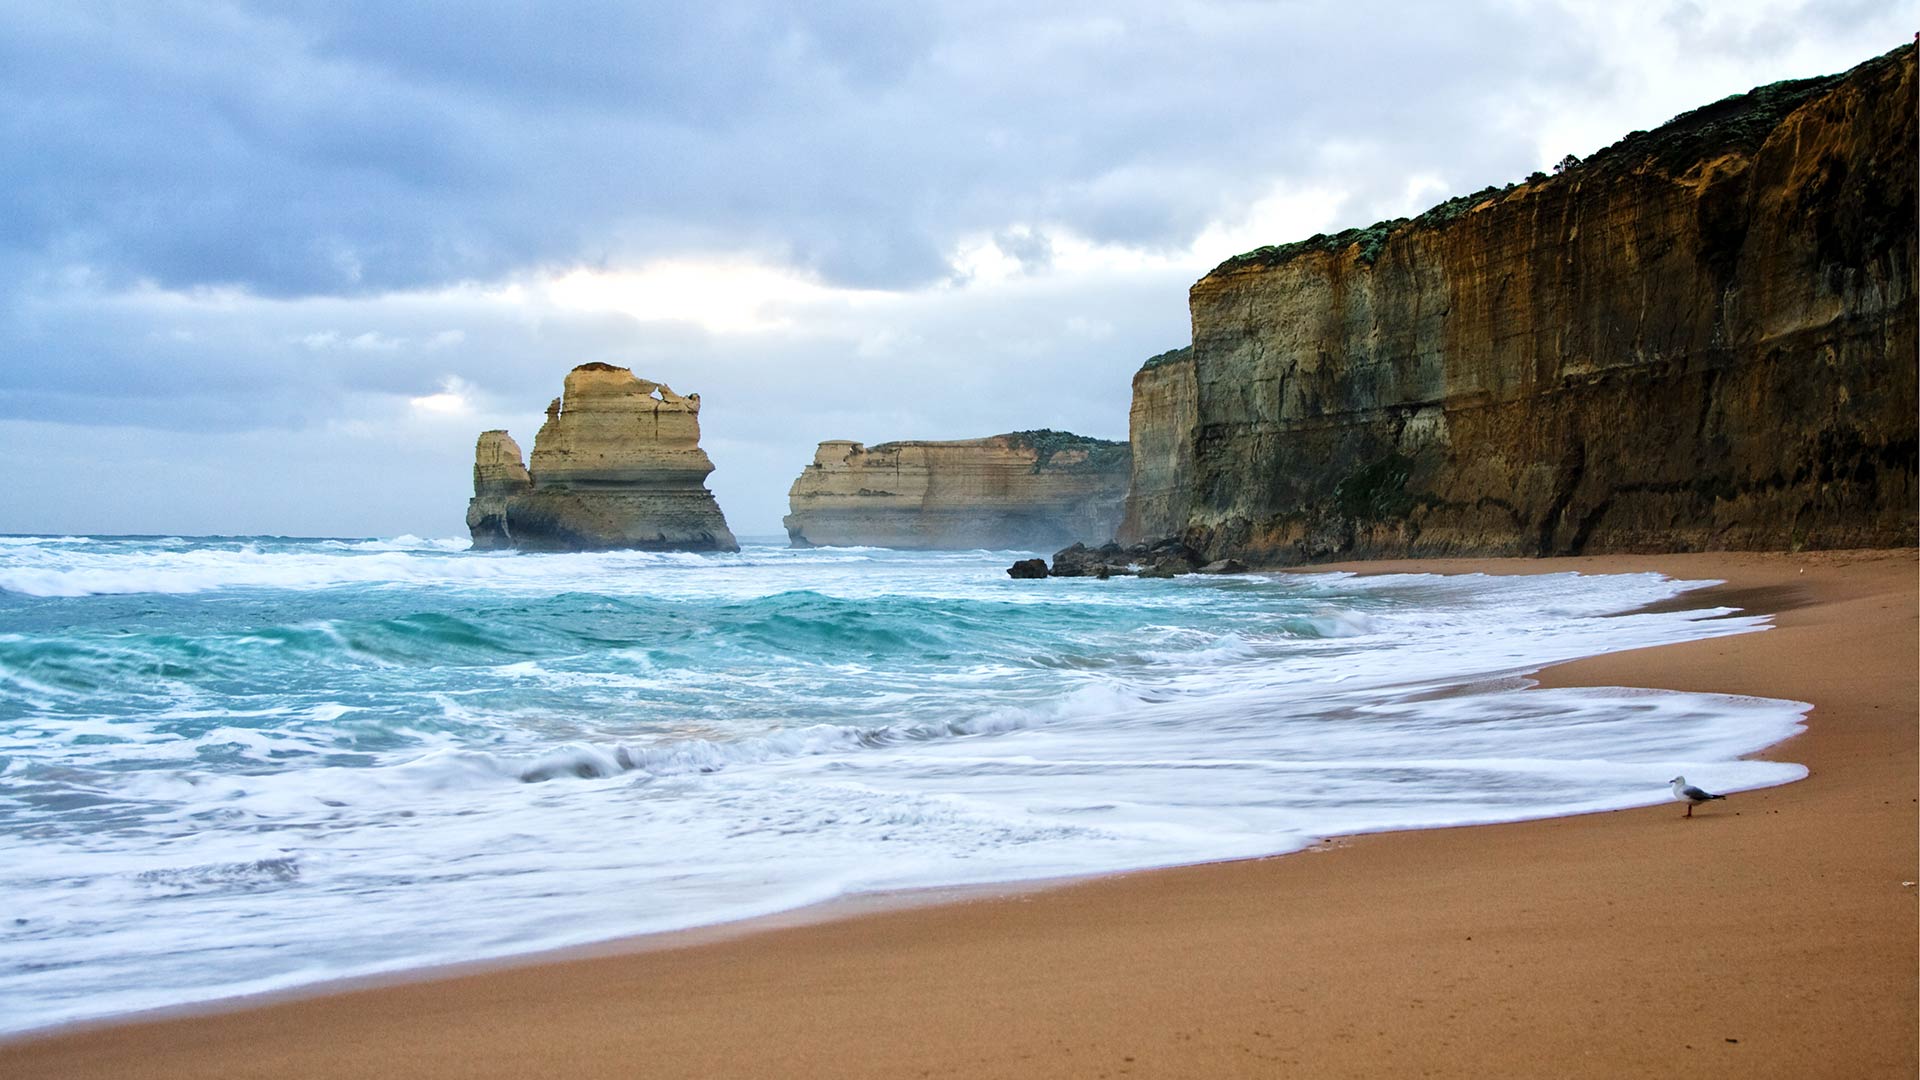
<point x="271" y="229"/>
<point x="719" y="295"/>
<point x="453" y="399"/>
<point x="347" y="148"/>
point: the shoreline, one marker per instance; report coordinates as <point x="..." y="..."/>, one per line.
<point x="859" y="904"/>
<point x="891" y="926"/>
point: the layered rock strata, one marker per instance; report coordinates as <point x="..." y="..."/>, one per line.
<point x="1160" y="430"/>
<point x="617" y="464"/>
<point x="1703" y="337"/>
<point x="499" y="474"/>
<point x="1031" y="490"/>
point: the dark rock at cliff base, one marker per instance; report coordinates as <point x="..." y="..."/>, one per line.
<point x="1169" y="561"/>
<point x="1028" y="568"/>
<point x="1083" y="561"/>
<point x="1168" y="558"/>
<point x="1224" y="566"/>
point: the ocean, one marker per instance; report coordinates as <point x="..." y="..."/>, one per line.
<point x="236" y="764"/>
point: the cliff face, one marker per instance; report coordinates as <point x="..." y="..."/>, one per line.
<point x="617" y="464"/>
<point x="1026" y="490"/>
<point x="1703" y="337"/>
<point x="1160" y="430"/>
<point x="498" y="476"/>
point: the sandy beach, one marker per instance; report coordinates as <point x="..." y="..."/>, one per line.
<point x="1774" y="934"/>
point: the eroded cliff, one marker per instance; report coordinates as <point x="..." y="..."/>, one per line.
<point x="1031" y="490"/>
<point x="1703" y="337"/>
<point x="1160" y="430"/>
<point x="499" y="474"/>
<point x="617" y="464"/>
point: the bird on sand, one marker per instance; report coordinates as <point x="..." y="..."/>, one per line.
<point x="1693" y="795"/>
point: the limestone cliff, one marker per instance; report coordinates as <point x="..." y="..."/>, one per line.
<point x="618" y="464"/>
<point x="1160" y="430"/>
<point x="498" y="476"/>
<point x="1031" y="490"/>
<point x="1703" y="337"/>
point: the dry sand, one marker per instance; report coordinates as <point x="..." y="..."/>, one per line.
<point x="1772" y="935"/>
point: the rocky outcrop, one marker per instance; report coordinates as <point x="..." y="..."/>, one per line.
<point x="618" y="464"/>
<point x="1165" y="558"/>
<point x="1160" y="430"/>
<point x="1028" y="490"/>
<point x="1703" y="337"/>
<point x="1162" y="559"/>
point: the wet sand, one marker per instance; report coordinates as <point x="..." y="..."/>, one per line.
<point x="1774" y="934"/>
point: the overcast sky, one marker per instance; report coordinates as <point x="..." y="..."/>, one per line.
<point x="269" y="268"/>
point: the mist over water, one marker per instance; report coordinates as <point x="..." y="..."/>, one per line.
<point x="233" y="764"/>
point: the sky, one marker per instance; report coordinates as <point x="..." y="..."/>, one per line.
<point x="269" y="268"/>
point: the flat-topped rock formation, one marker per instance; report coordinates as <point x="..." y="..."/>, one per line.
<point x="617" y="464"/>
<point x="1700" y="338"/>
<point x="1030" y="490"/>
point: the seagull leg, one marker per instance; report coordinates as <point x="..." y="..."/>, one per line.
<point x="1689" y="809"/>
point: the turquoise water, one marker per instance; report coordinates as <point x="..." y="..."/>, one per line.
<point x="232" y="764"/>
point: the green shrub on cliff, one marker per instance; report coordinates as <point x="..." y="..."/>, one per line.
<point x="1455" y="208"/>
<point x="1045" y="443"/>
<point x="1740" y="122"/>
<point x="1171" y="356"/>
<point x="1371" y="240"/>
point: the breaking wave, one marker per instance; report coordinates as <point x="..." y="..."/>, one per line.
<point x="234" y="763"/>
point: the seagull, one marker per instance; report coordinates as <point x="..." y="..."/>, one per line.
<point x="1693" y="795"/>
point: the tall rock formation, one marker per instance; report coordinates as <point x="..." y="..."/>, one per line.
<point x="498" y="475"/>
<point x="618" y="464"/>
<point x="1703" y="337"/>
<point x="1028" y="490"/>
<point x="1160" y="429"/>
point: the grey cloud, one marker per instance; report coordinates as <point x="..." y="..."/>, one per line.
<point x="354" y="148"/>
<point x="294" y="177"/>
<point x="290" y="380"/>
<point x="1032" y="250"/>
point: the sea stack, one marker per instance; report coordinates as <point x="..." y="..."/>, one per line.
<point x="1025" y="490"/>
<point x="1700" y="338"/>
<point x="499" y="475"/>
<point x="617" y="464"/>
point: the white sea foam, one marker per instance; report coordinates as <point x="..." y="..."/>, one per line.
<point x="403" y="542"/>
<point x="405" y="561"/>
<point x="445" y="755"/>
<point x="34" y="541"/>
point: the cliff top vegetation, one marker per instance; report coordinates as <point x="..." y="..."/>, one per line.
<point x="1171" y="356"/>
<point x="1046" y="442"/>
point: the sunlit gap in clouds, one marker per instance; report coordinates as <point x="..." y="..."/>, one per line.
<point x="1018" y="296"/>
<point x="455" y="398"/>
<point x="733" y="294"/>
<point x="721" y="295"/>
